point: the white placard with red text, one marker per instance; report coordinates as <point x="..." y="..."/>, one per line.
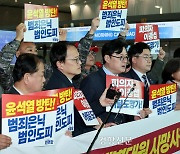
<point x="148" y="33"/>
<point x="84" y="108"/>
<point x="135" y="99"/>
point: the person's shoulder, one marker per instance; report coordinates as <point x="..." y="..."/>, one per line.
<point x="128" y="74"/>
<point x="93" y="78"/>
<point x="97" y="74"/>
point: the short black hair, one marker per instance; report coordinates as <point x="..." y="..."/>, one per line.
<point x="113" y="46"/>
<point x="171" y="67"/>
<point x="137" y="49"/>
<point x="59" y="52"/>
<point x="176" y="53"/>
<point x="26" y="63"/>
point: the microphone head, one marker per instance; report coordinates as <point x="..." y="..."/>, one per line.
<point x="132" y="89"/>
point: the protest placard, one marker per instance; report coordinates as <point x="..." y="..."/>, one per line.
<point x="42" y="24"/>
<point x="84" y="108"/>
<point x="148" y="33"/>
<point x="130" y="102"/>
<point x="65" y="108"/>
<point x="162" y="98"/>
<point x="29" y="120"/>
<point x="113" y="14"/>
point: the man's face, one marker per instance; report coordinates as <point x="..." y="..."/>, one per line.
<point x="117" y="62"/>
<point x="72" y="64"/>
<point x="90" y="59"/>
<point x="26" y="47"/>
<point x="36" y="80"/>
<point x="142" y="62"/>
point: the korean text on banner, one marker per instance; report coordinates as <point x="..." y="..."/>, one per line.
<point x="84" y="108"/>
<point x="113" y="14"/>
<point x="135" y="99"/>
<point x="148" y="33"/>
<point x="162" y="98"/>
<point x="29" y="120"/>
<point x="65" y="109"/>
<point x="41" y="23"/>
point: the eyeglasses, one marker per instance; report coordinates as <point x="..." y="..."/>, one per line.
<point x="145" y="57"/>
<point x="77" y="60"/>
<point x="121" y="58"/>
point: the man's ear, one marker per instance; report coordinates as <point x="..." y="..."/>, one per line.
<point x="26" y="78"/>
<point x="134" y="60"/>
<point x="60" y="65"/>
<point x="17" y="53"/>
<point x="107" y="58"/>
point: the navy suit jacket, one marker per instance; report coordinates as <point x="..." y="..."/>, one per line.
<point x="59" y="80"/>
<point x="93" y="86"/>
<point x="13" y="91"/>
<point x="132" y="75"/>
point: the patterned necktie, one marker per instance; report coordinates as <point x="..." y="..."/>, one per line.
<point x="145" y="82"/>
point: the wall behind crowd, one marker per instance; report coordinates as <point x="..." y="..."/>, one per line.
<point x="138" y="11"/>
<point x="11" y="17"/>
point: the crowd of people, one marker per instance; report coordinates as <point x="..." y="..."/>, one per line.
<point x="72" y="66"/>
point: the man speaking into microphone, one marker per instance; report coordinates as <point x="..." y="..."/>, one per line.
<point x="115" y="58"/>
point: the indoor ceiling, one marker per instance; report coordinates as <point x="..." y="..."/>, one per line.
<point x="135" y="7"/>
<point x="64" y="5"/>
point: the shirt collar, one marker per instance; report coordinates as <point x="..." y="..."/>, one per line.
<point x="108" y="72"/>
<point x="139" y="74"/>
<point x="69" y="80"/>
<point x="18" y="90"/>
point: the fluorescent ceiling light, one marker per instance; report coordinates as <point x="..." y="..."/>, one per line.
<point x="157" y="6"/>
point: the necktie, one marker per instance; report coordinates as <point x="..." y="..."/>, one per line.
<point x="145" y="82"/>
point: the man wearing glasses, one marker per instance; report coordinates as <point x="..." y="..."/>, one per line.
<point x="94" y="85"/>
<point x="64" y="58"/>
<point x="141" y="60"/>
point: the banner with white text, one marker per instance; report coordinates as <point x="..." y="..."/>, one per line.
<point x="159" y="134"/>
<point x="162" y="98"/>
<point x="84" y="108"/>
<point x="149" y="34"/>
<point x="113" y="14"/>
<point x="132" y="95"/>
<point x="65" y="108"/>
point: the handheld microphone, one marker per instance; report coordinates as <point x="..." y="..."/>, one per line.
<point x="130" y="91"/>
<point x="117" y="96"/>
<point x="111" y="92"/>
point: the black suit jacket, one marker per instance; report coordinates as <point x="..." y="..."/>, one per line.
<point x="93" y="86"/>
<point x="13" y="91"/>
<point x="132" y="75"/>
<point x="59" y="80"/>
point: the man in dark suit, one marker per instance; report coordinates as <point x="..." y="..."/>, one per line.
<point x="28" y="77"/>
<point x="66" y="64"/>
<point x="94" y="86"/>
<point x="141" y="60"/>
